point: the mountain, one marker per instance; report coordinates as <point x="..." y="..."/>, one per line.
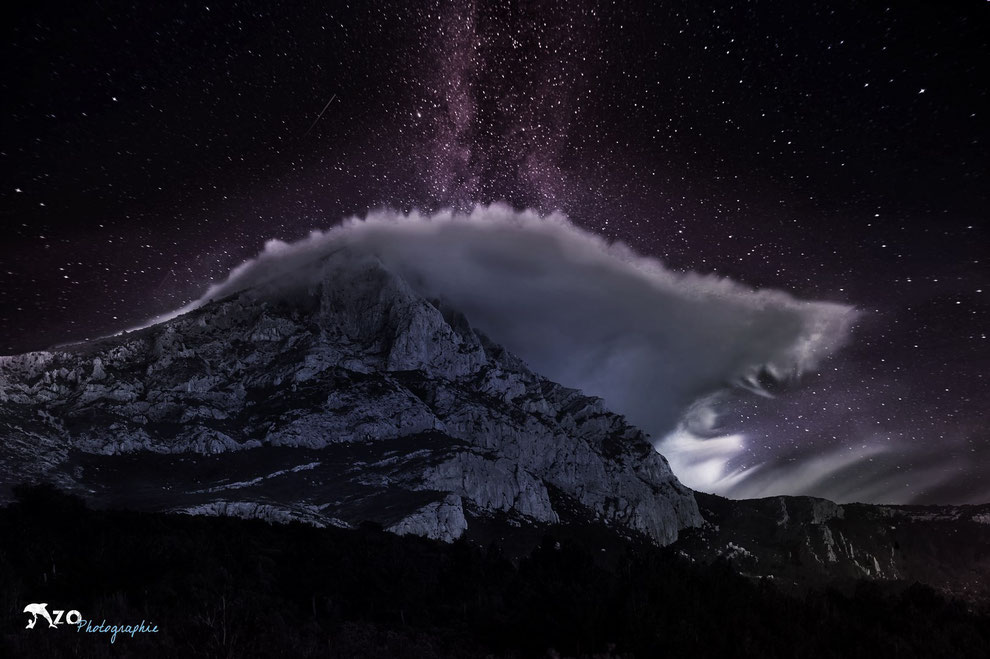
<point x="350" y="400"/>
<point x="802" y="541"/>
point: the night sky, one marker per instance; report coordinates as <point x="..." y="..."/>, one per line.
<point x="835" y="150"/>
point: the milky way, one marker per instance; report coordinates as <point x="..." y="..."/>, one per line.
<point x="833" y="150"/>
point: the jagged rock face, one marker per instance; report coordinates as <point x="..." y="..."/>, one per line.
<point x="354" y="399"/>
<point x="805" y="541"/>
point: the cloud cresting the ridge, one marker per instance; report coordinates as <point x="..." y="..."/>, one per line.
<point x="657" y="345"/>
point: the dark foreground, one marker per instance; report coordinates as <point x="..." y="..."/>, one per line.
<point x="219" y="587"/>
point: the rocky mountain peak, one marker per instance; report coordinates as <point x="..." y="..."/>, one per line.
<point x="353" y="398"/>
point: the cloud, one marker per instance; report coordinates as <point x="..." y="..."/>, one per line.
<point x="588" y="314"/>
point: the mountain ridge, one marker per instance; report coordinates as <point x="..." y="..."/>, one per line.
<point x="359" y="357"/>
<point x="356" y="399"/>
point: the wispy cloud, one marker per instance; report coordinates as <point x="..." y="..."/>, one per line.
<point x="650" y="341"/>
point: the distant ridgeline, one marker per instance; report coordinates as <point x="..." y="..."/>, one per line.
<point x="220" y="586"/>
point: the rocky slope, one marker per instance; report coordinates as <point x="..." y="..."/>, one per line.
<point x="800" y="541"/>
<point x="350" y="400"/>
<point x="356" y="399"/>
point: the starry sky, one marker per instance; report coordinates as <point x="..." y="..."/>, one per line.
<point x="835" y="150"/>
